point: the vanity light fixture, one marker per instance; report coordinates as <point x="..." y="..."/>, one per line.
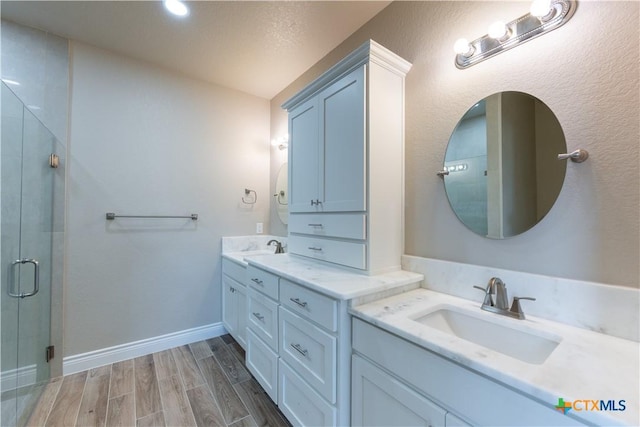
<point x="542" y="10"/>
<point x="499" y="31"/>
<point x="176" y="7"/>
<point x="282" y="142"/>
<point x="462" y="47"/>
<point x="544" y="16"/>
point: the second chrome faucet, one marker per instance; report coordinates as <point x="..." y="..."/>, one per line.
<point x="279" y="248"/>
<point x="501" y="304"/>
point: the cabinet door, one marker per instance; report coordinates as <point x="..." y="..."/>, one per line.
<point x="241" y="308"/>
<point x="229" y="305"/>
<point x="262" y="362"/>
<point x="379" y="399"/>
<point x="343" y="140"/>
<point x="304" y="151"/>
<point x="300" y="403"/>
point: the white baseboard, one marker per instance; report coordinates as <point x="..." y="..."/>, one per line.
<point x="16" y="378"/>
<point x="106" y="356"/>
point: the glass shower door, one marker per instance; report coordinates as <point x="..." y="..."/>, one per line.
<point x="29" y="187"/>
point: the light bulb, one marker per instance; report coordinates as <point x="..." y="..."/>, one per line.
<point x="540" y="8"/>
<point x="462" y="47"/>
<point x="498" y="30"/>
<point x="176" y="7"/>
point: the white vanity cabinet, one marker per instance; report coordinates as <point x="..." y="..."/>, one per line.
<point x="346" y="157"/>
<point x="328" y="156"/>
<point x="312" y="331"/>
<point x="298" y="349"/>
<point x="419" y="387"/>
<point x="234" y="301"/>
<point x="262" y="331"/>
<point x="382" y="400"/>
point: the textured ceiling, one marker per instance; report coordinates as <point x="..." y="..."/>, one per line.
<point x="256" y="47"/>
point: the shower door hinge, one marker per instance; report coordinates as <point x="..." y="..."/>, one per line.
<point x="50" y="353"/>
<point x="54" y="161"/>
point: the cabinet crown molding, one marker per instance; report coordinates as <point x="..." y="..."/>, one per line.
<point x="370" y="51"/>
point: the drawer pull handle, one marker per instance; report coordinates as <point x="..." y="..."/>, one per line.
<point x="300" y="350"/>
<point x="315" y="249"/>
<point x="257" y="281"/>
<point x="232" y="289"/>
<point x="259" y="317"/>
<point x="302" y="304"/>
<point x="315" y="225"/>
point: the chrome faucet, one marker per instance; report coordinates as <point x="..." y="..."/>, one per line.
<point x="279" y="249"/>
<point x="501" y="305"/>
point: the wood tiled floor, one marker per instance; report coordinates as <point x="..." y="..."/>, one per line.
<point x="200" y="384"/>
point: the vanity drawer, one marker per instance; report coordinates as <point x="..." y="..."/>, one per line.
<point x="263" y="281"/>
<point x="300" y="403"/>
<point x="309" y="351"/>
<point x="234" y="270"/>
<point x="347" y="226"/>
<point x="344" y="253"/>
<point x="263" y="364"/>
<point x="263" y="318"/>
<point x="316" y="307"/>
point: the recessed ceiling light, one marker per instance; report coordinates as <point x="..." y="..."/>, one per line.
<point x="176" y="7"/>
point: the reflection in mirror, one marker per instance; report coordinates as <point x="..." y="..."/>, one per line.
<point x="282" y="195"/>
<point x="503" y="172"/>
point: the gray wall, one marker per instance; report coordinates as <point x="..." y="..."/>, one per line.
<point x="40" y="63"/>
<point x="146" y="141"/>
<point x="589" y="81"/>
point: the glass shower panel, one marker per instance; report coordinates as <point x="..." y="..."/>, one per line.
<point x="35" y="243"/>
<point x="11" y="189"/>
<point x="33" y="202"/>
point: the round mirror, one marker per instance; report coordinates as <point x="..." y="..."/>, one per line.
<point x="502" y="173"/>
<point x="282" y="195"/>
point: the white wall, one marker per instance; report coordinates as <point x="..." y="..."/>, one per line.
<point x="146" y="141"/>
<point x="590" y="81"/>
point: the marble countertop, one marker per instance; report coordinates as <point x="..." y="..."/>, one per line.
<point x="241" y="257"/>
<point x="586" y="365"/>
<point x="332" y="281"/>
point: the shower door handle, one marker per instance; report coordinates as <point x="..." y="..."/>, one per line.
<point x="36" y="278"/>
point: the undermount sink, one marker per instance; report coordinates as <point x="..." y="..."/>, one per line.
<point x="249" y="254"/>
<point x="531" y="347"/>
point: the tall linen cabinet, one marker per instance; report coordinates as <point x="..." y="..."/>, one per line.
<point x="346" y="158"/>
